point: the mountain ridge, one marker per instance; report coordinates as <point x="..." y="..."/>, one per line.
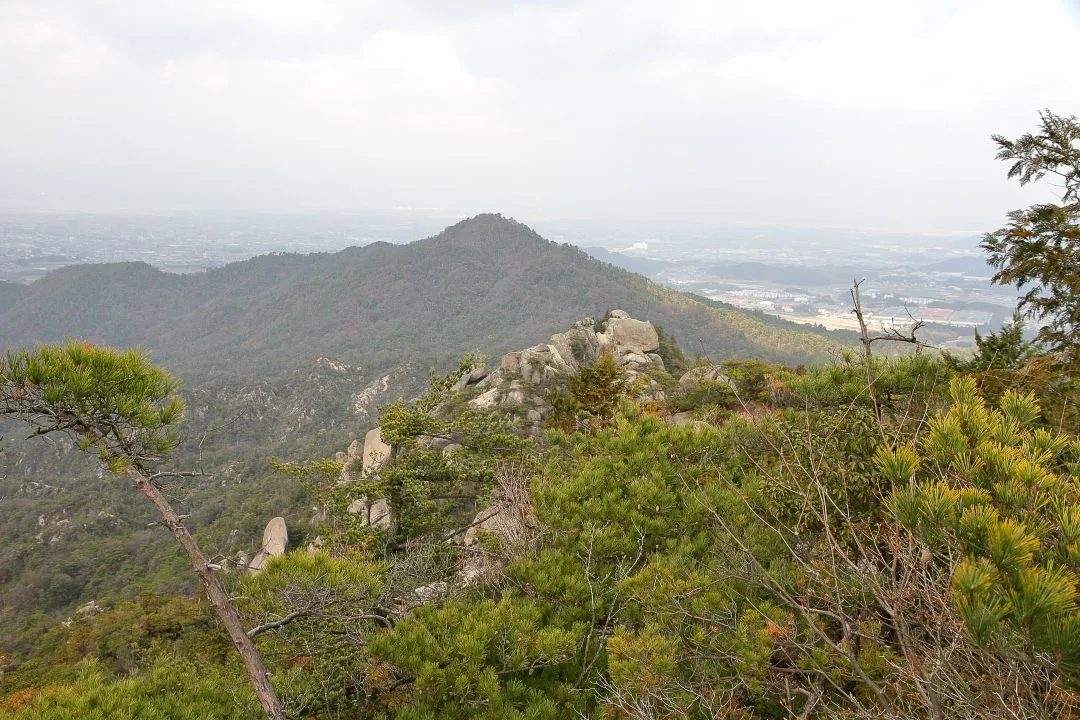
<point x="487" y="282"/>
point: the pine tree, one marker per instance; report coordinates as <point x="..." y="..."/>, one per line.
<point x="125" y="409"/>
<point x="1039" y="249"/>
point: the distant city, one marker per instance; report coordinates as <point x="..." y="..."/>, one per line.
<point x="34" y="244"/>
<point x="800" y="274"/>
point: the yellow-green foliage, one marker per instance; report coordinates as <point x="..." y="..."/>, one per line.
<point x="1001" y="496"/>
<point x="336" y="582"/>
<point x="173" y="689"/>
<point x="590" y="398"/>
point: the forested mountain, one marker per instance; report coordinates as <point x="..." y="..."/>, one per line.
<point x="9" y="293"/>
<point x="486" y="283"/>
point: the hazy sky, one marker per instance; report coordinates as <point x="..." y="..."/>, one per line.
<point x="852" y="113"/>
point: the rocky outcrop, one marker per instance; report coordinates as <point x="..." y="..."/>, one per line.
<point x="510" y="519"/>
<point x="631" y="336"/>
<point x="472" y="377"/>
<point x="633" y="344"/>
<point x="376" y="452"/>
<point x="274" y="543"/>
<point x="370" y="456"/>
<point x="518" y="385"/>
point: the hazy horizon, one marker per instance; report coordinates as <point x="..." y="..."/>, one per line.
<point x="837" y="115"/>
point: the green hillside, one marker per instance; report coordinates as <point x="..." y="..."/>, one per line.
<point x="11" y="292"/>
<point x="486" y="283"/>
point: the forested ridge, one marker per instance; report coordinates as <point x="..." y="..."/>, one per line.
<point x="486" y="283"/>
<point x="601" y="526"/>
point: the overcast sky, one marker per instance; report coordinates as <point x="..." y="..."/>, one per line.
<point x="849" y="113"/>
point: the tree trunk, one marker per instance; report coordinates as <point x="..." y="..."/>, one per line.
<point x="218" y="597"/>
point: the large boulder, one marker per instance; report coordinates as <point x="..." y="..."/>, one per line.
<point x="539" y="364"/>
<point x="470" y="377"/>
<point x="631" y="335"/>
<point x="510" y="520"/>
<point x="372" y="454"/>
<point x="379" y="514"/>
<point x="376" y="452"/>
<point x="578" y="346"/>
<point x="274" y="543"/>
<point x="348" y="460"/>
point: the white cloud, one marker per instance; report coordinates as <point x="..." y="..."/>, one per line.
<point x="833" y="112"/>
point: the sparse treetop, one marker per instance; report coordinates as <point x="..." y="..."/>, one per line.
<point x="115" y="402"/>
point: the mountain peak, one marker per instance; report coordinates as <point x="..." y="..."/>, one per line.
<point x="488" y="230"/>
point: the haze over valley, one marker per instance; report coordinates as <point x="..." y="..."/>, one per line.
<point x="800" y="274"/>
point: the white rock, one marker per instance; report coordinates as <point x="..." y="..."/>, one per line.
<point x="487" y="399"/>
<point x="376" y="452"/>
<point x="379" y="514"/>
<point x="275" y="540"/>
<point x="704" y="373"/>
<point x="636" y="335"/>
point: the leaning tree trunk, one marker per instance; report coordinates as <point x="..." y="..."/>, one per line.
<point x="218" y="597"/>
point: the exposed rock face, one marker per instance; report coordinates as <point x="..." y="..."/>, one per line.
<point x="471" y="377"/>
<point x="364" y="402"/>
<point x="379" y="514"/>
<point x="376" y="452"/>
<point x="90" y="609"/>
<point x="510" y="519"/>
<point x="577" y="346"/>
<point x="631" y="342"/>
<point x="633" y="335"/>
<point x="372" y="455"/>
<point x="683" y="419"/>
<point x="275" y="541"/>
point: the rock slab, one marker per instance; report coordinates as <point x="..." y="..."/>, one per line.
<point x="274" y="543"/>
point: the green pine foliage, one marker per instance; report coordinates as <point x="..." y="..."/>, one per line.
<point x="588" y="400"/>
<point x="504" y="658"/>
<point x="675" y="362"/>
<point x="173" y="688"/>
<point x="794" y="554"/>
<point x="1039" y="249"/>
<point x="117" y="404"/>
<point x="1006" y="493"/>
